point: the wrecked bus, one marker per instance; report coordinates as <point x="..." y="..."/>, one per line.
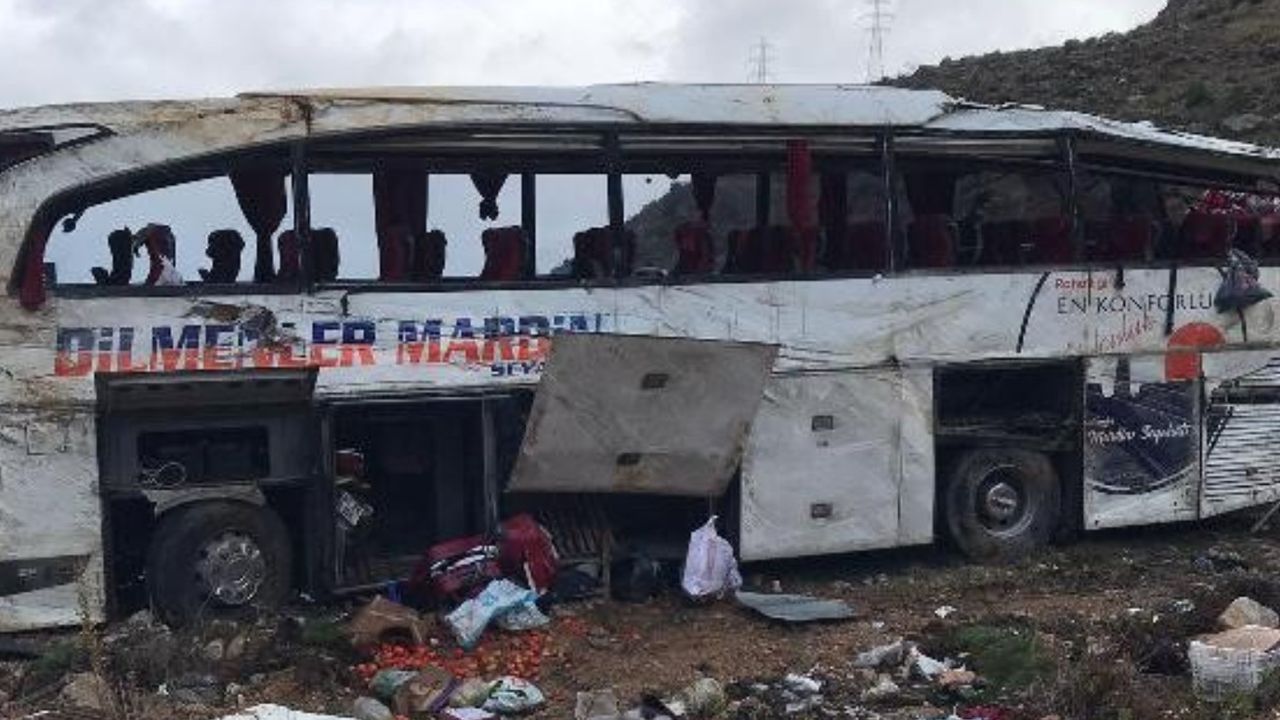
<point x="851" y="318"/>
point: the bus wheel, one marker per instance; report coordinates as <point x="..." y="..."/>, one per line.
<point x="1001" y="503"/>
<point x="217" y="558"/>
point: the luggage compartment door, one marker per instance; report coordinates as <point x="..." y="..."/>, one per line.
<point x="838" y="462"/>
<point x="626" y="414"/>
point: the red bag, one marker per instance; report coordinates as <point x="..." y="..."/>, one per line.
<point x="526" y="552"/>
<point x="455" y="570"/>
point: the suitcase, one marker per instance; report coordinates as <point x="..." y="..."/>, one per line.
<point x="527" y="553"/>
<point x="455" y="570"/>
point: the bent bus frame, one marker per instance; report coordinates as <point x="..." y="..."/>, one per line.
<point x="858" y="318"/>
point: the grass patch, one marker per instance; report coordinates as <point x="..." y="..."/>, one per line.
<point x="1008" y="657"/>
<point x="324" y="634"/>
<point x="58" y="659"/>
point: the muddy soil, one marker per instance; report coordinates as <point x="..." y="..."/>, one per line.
<point x="1098" y="630"/>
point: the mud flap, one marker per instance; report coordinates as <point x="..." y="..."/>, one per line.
<point x="625" y="414"/>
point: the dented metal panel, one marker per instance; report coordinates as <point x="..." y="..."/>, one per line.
<point x="50" y="520"/>
<point x="832" y="460"/>
<point x="662" y="416"/>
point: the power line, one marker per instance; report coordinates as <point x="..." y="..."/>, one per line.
<point x="878" y="18"/>
<point x="758" y="62"/>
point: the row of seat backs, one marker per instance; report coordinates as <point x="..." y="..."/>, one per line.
<point x="931" y="242"/>
<point x="404" y="257"/>
<point x="932" y="239"/>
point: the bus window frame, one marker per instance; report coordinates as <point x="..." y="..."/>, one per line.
<point x="81" y="198"/>
<point x="1059" y="163"/>
<point x="1106" y="154"/>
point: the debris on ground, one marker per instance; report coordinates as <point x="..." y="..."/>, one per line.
<point x="367" y="708"/>
<point x="704" y="698"/>
<point x="710" y="568"/>
<point x="884" y="655"/>
<point x="1246" y="611"/>
<point x="1233" y="662"/>
<point x="1052" y="638"/>
<point x="596" y="705"/>
<point x="512" y="696"/>
<point x="382" y="620"/>
<point x="925" y="666"/>
<point x="278" y="712"/>
<point x="466" y="713"/>
<point x="511" y="606"/>
<point x="795" y="608"/>
<point x="87" y="690"/>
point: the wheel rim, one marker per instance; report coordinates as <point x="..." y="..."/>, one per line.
<point x="230" y="568"/>
<point x="1001" y="501"/>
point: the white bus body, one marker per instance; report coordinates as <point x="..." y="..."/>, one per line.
<point x="840" y="450"/>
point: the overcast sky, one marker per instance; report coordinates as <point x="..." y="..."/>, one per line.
<point x="62" y="50"/>
<point x="71" y="50"/>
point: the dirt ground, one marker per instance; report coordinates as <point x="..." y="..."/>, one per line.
<point x="1094" y="629"/>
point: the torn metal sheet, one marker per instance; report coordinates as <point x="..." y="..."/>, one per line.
<point x="641" y="415"/>
<point x="795" y="608"/>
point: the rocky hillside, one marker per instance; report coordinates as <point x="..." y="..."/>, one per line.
<point x="1209" y="66"/>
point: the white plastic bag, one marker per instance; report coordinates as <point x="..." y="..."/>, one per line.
<point x="709" y="566"/>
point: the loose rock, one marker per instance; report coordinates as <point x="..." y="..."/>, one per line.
<point x="86" y="690"/>
<point x="1246" y="611"/>
<point x="366" y="708"/>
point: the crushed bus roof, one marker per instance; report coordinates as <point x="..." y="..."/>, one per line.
<point x="635" y="104"/>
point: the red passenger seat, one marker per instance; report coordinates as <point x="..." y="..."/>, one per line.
<point x="503" y="253"/>
<point x="1127" y="238"/>
<point x="697" y="254"/>
<point x="427" y="256"/>
<point x="324" y="254"/>
<point x="800" y="250"/>
<point x="290" y="257"/>
<point x="393" y="253"/>
<point x="1269" y="236"/>
<point x="931" y="241"/>
<point x="1207" y="235"/>
<point x="1002" y="242"/>
<point x="1051" y="240"/>
<point x="594" y="255"/>
<point x="223" y="248"/>
<point x="862" y="246"/>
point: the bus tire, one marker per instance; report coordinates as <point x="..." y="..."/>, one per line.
<point x="218" y="558"/>
<point x="1001" y="504"/>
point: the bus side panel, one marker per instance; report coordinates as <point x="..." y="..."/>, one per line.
<point x="836" y="463"/>
<point x="50" y="520"/>
<point x="1141" y="442"/>
<point x="1242" y="421"/>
